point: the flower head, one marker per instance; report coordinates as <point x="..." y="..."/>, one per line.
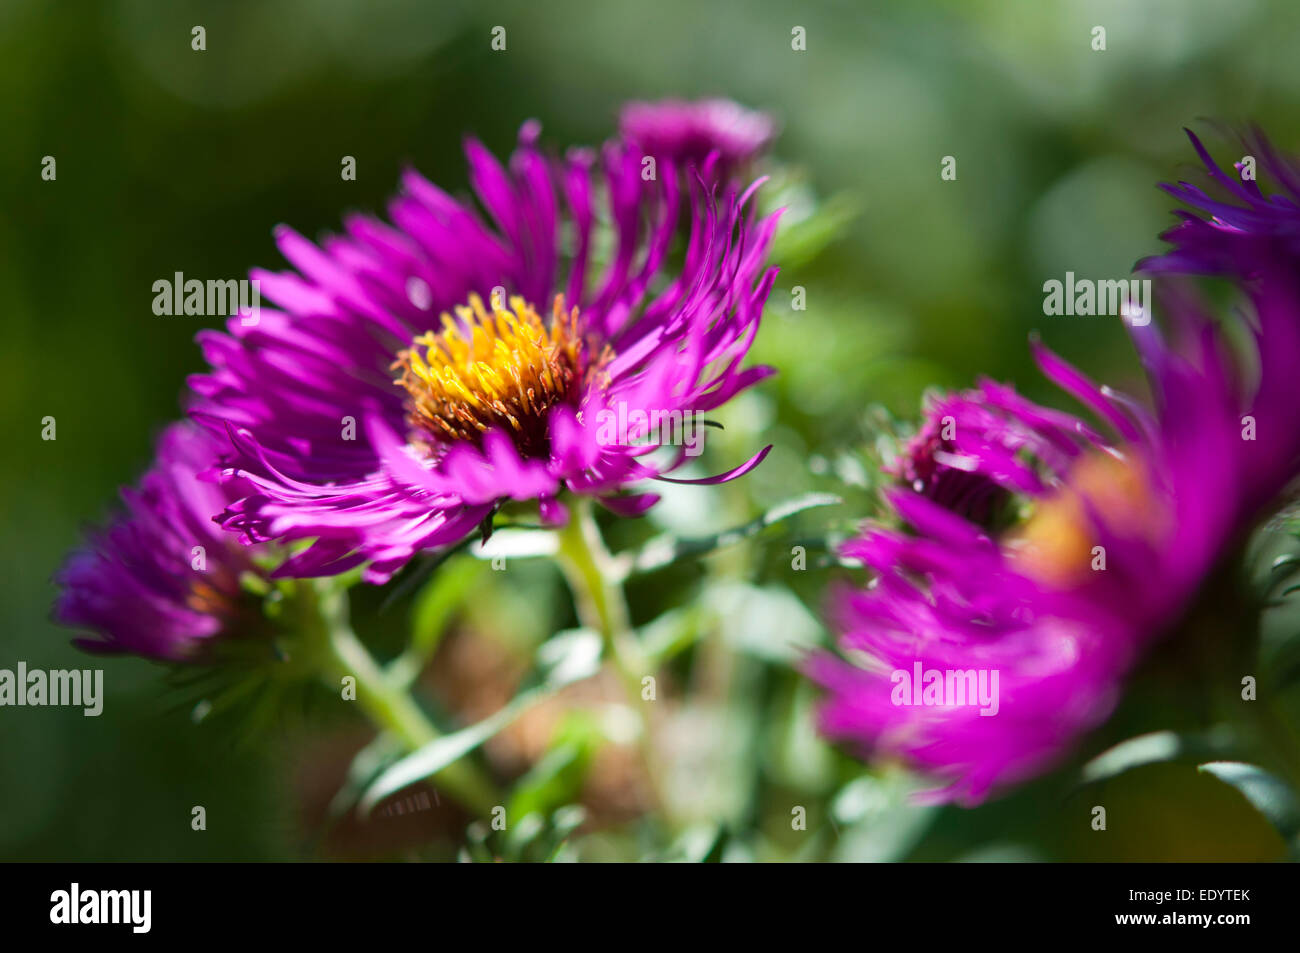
<point x="420" y="374"/>
<point x="1112" y="526"/>
<point x="933" y="465"/>
<point x="717" y="136"/>
<point x="1254" y="240"/>
<point x="1242" y="224"/>
<point x="163" y="581"/>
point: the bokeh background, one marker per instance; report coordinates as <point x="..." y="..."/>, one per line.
<point x="174" y="160"/>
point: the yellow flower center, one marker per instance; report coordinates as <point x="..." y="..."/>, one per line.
<point x="505" y="369"/>
<point x="207" y="599"/>
<point x="1056" y="543"/>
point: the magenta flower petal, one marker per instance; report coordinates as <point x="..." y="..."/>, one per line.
<point x="1051" y="557"/>
<point x="412" y="376"/>
<point x="714" y="135"/>
<point x="163" y="580"/>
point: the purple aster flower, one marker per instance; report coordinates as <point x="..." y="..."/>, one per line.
<point x="1243" y="223"/>
<point x="1256" y="243"/>
<point x="1054" y="550"/>
<point x="163" y="581"/>
<point x="418" y="375"/>
<point x="717" y="136"/>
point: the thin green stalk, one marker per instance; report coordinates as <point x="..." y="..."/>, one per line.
<point x="596" y="580"/>
<point x="388" y="705"/>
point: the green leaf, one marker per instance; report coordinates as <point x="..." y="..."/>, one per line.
<point x="876" y="819"/>
<point x="666" y="549"/>
<point x="811" y="230"/>
<point x="1153" y="748"/>
<point x="672" y="633"/>
<point x="530" y="838"/>
<point x="568" y="657"/>
<point x="1284" y="565"/>
<point x="695" y="844"/>
<point x="1267" y="793"/>
<point x="365" y="767"/>
<point x="511" y="543"/>
<point x="767" y="622"/>
<point x="557" y="777"/>
<point x="439" y="600"/>
<point x="797" y="756"/>
<point x="563" y="659"/>
<point x="432" y="612"/>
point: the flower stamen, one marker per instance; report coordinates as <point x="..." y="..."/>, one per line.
<point x="505" y="369"/>
<point x="1056" y="543"/>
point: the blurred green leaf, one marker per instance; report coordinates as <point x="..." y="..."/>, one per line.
<point x="882" y="819"/>
<point x="695" y="844"/>
<point x="1154" y="748"/>
<point x="666" y="549"/>
<point x="802" y="240"/>
<point x="566" y="658"/>
<point x="557" y="777"/>
<point x="671" y="633"/>
<point x="768" y="622"/>
<point x="534" y="837"/>
<point x="431" y="615"/>
<point x="437" y="601"/>
<point x="365" y="767"/>
<point x="1267" y="793"/>
<point x="797" y="755"/>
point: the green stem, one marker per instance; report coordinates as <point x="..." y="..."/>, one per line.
<point x="596" y="580"/>
<point x="1231" y="607"/>
<point x="387" y="705"/>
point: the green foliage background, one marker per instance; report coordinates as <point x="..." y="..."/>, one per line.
<point x="171" y="160"/>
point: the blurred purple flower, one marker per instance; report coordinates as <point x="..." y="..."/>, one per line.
<point x="1241" y="226"/>
<point x="369" y="424"/>
<point x="1257" y="245"/>
<point x="1157" y="496"/>
<point x="716" y="136"/>
<point x="163" y="581"/>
